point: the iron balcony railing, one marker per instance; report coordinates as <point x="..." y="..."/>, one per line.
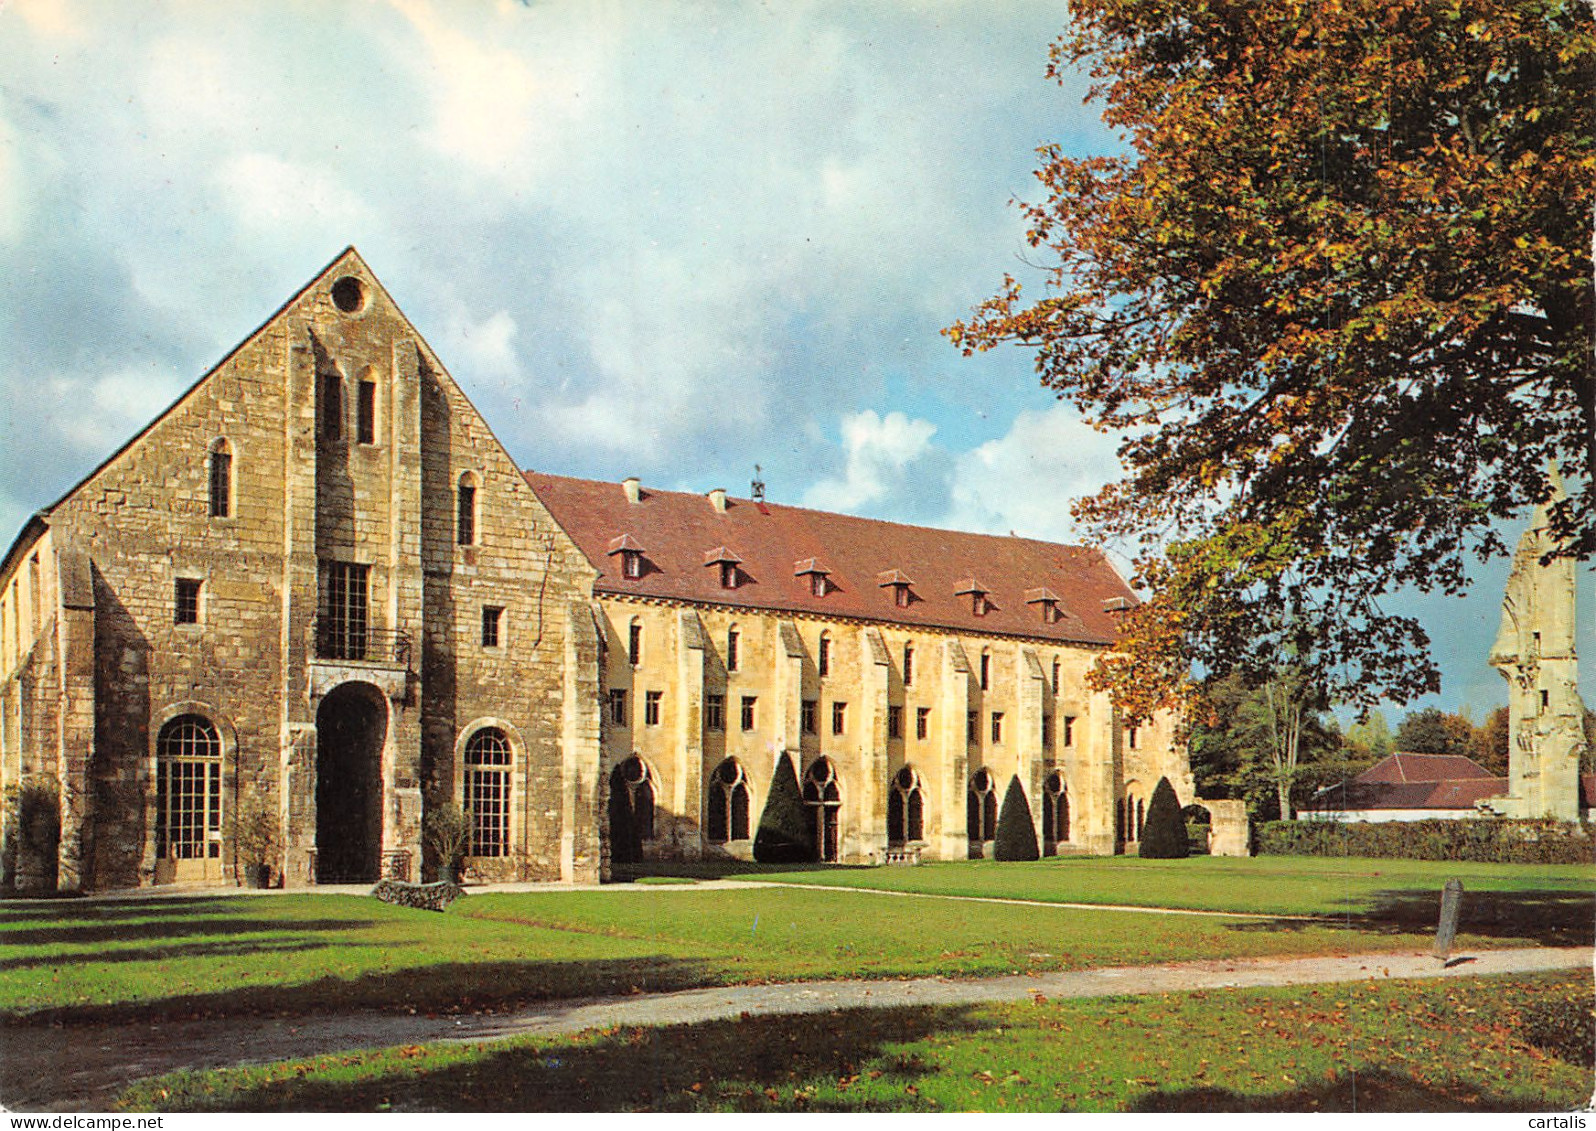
<point x="359" y="643"/>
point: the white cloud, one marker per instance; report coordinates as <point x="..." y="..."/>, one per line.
<point x="880" y="454"/>
<point x="99" y="414"/>
<point x="485" y="348"/>
<point x="1026" y="480"/>
<point x="271" y="194"/>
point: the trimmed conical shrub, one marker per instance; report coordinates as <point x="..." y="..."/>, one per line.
<point x="786" y="830"/>
<point x="1016" y="833"/>
<point x="1164" y="830"/>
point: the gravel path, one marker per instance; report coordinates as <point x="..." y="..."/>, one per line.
<point x="82" y="1068"/>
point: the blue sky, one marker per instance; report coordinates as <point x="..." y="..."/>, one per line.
<point x="648" y="237"/>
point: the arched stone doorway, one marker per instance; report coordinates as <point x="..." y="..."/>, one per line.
<point x="351" y="727"/>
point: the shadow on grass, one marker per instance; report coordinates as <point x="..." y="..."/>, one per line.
<point x="1379" y="1090"/>
<point x="184" y="927"/>
<point x="720" y="1064"/>
<point x="717" y="870"/>
<point x="441" y="988"/>
<point x="1547" y="918"/>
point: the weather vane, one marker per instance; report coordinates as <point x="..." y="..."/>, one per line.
<point x="756" y="489"/>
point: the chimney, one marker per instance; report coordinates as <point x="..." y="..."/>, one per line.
<point x="633" y="486"/>
<point x="717" y="499"/>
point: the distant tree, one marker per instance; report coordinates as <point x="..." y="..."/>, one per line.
<point x="1239" y="745"/>
<point x="1335" y="289"/>
<point x="1587" y="759"/>
<point x="786" y="832"/>
<point x="1430" y="731"/>
<point x="1489" y="747"/>
<point x="1370" y="737"/>
<point x="1164" y="831"/>
<point x="1015" y="838"/>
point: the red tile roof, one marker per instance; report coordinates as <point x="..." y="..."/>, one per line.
<point x="864" y="558"/>
<point x="1401" y="767"/>
<point x="1455" y="794"/>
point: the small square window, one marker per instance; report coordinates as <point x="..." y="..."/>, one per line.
<point x="900" y="596"/>
<point x="748" y="711"/>
<point x="997" y="726"/>
<point x="631" y="564"/>
<point x="808" y="711"/>
<point x="651" y="702"/>
<point x="817" y="585"/>
<point x="839" y="718"/>
<point x="618" y="706"/>
<point x="187" y="606"/>
<point x="714" y="712"/>
<point x="492" y="616"/>
<point x="894" y="722"/>
<point x="728" y="575"/>
<point x="922" y="722"/>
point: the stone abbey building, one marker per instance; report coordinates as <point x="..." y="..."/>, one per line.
<point x="316" y="596"/>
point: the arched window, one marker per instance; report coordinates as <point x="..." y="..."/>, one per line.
<point x="631" y="810"/>
<point x="731" y="648"/>
<point x="221" y="478"/>
<point x="981" y="807"/>
<point x="986" y="670"/>
<point x="1140" y="814"/>
<point x="634" y="642"/>
<point x="188" y="790"/>
<point x="905" y="808"/>
<point x="823" y="656"/>
<point x="824" y="799"/>
<point x="1055" y="811"/>
<point x="727" y="816"/>
<point x="465" y="517"/>
<point x="487" y="791"/>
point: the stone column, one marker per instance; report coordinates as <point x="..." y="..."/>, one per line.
<point x="688" y="763"/>
<point x="580" y="812"/>
<point x="955" y="750"/>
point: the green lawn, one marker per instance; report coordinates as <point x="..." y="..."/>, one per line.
<point x="304" y="953"/>
<point x="1276" y="885"/>
<point x="1486" y="1044"/>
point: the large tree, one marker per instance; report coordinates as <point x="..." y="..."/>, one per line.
<point x="1336" y="292"/>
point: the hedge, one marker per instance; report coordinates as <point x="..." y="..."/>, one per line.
<point x="1015" y="838"/>
<point x="1485" y="840"/>
<point x="1164" y="831"/>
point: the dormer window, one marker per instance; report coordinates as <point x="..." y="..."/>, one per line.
<point x="631" y="554"/>
<point x="819" y="583"/>
<point x="901" y="584"/>
<point x="1047" y="601"/>
<point x="727" y="562"/>
<point x="977" y="592"/>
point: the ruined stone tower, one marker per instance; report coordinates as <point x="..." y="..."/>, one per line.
<point x="1534" y="651"/>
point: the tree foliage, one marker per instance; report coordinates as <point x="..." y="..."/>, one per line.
<point x="1164" y="831"/>
<point x="1433" y="731"/>
<point x="1337" y="294"/>
<point x="1015" y="837"/>
<point x="786" y="833"/>
<point x="1233" y="750"/>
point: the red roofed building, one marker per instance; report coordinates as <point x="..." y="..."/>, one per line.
<point x="908" y="673"/>
<point x="1409" y="787"/>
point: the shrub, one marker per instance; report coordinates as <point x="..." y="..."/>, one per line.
<point x="786" y="830"/>
<point x="1164" y="830"/>
<point x="1483" y="840"/>
<point x="447" y="829"/>
<point x="1015" y="838"/>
